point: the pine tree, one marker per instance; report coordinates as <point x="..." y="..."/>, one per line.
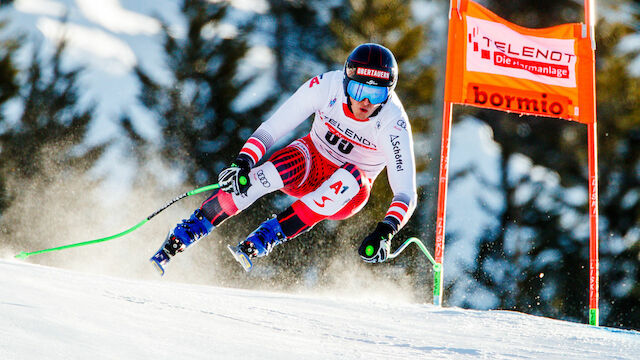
<point x="299" y="38"/>
<point x="619" y="161"/>
<point x="9" y="88"/>
<point x="50" y="125"/>
<point x="202" y="122"/>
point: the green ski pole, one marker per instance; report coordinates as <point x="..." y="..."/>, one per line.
<point x="437" y="268"/>
<point x="25" y="254"/>
<point x="408" y="242"/>
<point x="411" y="240"/>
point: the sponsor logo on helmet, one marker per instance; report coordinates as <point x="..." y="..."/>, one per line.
<point x="380" y="74"/>
<point x="372" y="82"/>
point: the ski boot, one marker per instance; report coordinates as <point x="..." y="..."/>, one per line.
<point x="184" y="234"/>
<point x="259" y="243"/>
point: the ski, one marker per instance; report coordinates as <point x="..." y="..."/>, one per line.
<point x="241" y="257"/>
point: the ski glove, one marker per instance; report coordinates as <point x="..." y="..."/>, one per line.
<point x="376" y="247"/>
<point x="235" y="178"/>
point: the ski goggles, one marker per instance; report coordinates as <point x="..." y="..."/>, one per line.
<point x="359" y="91"/>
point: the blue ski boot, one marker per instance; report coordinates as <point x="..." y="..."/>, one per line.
<point x="259" y="243"/>
<point x="184" y="234"/>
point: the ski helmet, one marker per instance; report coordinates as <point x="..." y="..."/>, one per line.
<point x="374" y="66"/>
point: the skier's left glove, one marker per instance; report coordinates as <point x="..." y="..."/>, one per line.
<point x="375" y="247"/>
<point x="235" y="178"/>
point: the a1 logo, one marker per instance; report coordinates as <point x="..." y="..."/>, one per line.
<point x="337" y="186"/>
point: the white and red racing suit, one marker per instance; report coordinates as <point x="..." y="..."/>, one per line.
<point x="331" y="169"/>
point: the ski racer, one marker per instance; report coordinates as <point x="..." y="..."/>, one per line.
<point x="360" y="127"/>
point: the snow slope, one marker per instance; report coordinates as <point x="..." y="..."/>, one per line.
<point x="50" y="313"/>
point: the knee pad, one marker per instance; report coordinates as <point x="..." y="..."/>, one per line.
<point x="333" y="194"/>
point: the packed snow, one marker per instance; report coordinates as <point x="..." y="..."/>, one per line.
<point x="50" y="313"/>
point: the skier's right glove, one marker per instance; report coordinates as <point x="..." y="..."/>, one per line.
<point x="235" y="178"/>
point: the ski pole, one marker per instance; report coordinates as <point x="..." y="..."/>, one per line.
<point x="25" y="254"/>
<point x="417" y="241"/>
<point x="437" y="268"/>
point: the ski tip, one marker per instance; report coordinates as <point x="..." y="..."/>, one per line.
<point x="157" y="266"/>
<point x="241" y="257"/>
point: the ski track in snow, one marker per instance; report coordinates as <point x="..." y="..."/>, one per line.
<point x="50" y="313"/>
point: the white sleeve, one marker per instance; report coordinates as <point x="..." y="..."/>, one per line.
<point x="305" y="101"/>
<point x="397" y="144"/>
